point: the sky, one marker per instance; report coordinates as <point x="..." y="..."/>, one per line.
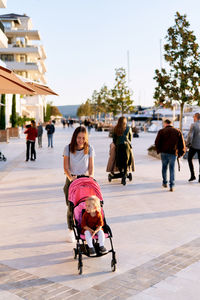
<point x="86" y="40"/>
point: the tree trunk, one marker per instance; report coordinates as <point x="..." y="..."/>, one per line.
<point x="181" y="116"/>
<point x="3" y="112"/>
<point x="14" y="115"/>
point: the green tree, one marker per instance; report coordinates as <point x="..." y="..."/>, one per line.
<point x="13" y="117"/>
<point x="100" y="100"/>
<point x="180" y="83"/>
<point x="51" y="110"/>
<point x="94" y="101"/>
<point x="47" y="112"/>
<point x="120" y="101"/>
<point x="3" y="112"/>
<point x="55" y="111"/>
<point x="85" y="109"/>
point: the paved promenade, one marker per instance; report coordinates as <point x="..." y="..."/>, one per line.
<point x="156" y="233"/>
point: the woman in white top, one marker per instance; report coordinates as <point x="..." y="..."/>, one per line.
<point x="78" y="160"/>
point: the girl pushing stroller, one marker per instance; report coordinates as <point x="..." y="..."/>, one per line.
<point x="89" y="226"/>
<point x="121" y="161"/>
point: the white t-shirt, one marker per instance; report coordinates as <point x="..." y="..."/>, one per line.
<point x="78" y="161"/>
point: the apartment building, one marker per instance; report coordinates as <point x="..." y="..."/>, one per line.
<point x="4" y="44"/>
<point x="3" y="3"/>
<point x="25" y="56"/>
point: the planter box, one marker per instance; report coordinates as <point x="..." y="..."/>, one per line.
<point x="13" y="132"/>
<point x="4" y="136"/>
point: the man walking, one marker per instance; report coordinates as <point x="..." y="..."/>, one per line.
<point x="193" y="143"/>
<point x="170" y="143"/>
<point x="50" y="131"/>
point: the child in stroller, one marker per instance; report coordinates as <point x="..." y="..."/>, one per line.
<point x="92" y="223"/>
<point x="80" y="190"/>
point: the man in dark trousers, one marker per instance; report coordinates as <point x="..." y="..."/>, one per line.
<point x="50" y="131"/>
<point x="170" y="143"/>
<point x="193" y="143"/>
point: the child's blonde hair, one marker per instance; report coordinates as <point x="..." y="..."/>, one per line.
<point x="96" y="202"/>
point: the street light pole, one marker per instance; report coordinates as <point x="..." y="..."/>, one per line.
<point x="128" y="68"/>
<point x="160" y="54"/>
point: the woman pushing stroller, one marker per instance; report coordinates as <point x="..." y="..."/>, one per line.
<point x="78" y="161"/>
<point x="121" y="156"/>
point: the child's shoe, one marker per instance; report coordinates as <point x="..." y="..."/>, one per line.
<point x="70" y="236"/>
<point x="92" y="251"/>
<point x="102" y="249"/>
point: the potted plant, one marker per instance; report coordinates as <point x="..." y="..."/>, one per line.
<point x="4" y="134"/>
<point x="14" y="130"/>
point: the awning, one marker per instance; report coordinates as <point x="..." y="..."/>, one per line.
<point x="11" y="84"/>
<point x="41" y="89"/>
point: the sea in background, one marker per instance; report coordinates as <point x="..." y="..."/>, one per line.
<point x="68" y="110"/>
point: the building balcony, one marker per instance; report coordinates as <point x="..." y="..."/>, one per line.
<point x="24" y="66"/>
<point x="43" y="52"/>
<point x="3" y="3"/>
<point x="42" y="63"/>
<point x="3" y="40"/>
<point x="33" y="50"/>
<point x="30" y="34"/>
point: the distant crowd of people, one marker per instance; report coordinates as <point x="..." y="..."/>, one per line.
<point x="68" y="122"/>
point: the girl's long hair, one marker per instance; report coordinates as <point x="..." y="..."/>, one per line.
<point x="120" y="127"/>
<point x="73" y="144"/>
<point x="96" y="202"/>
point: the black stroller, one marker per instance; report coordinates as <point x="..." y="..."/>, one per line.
<point x="2" y="157"/>
<point x="120" y="163"/>
<point x="79" y="190"/>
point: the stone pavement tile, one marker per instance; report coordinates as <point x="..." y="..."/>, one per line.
<point x="175" y="288"/>
<point x="5" y="295"/>
<point x="143" y="296"/>
<point x="57" y="292"/>
<point x="86" y="296"/>
<point x="68" y="294"/>
<point x="121" y="293"/>
<point x="192" y="272"/>
<point x="50" y="286"/>
<point x="21" y="293"/>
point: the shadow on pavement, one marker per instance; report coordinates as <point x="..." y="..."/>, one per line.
<point x="42" y="260"/>
<point x="155" y="215"/>
<point x="30" y="245"/>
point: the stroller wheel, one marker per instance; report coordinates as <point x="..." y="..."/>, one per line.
<point x="123" y="180"/>
<point x="4" y="158"/>
<point x="109" y="177"/>
<point x="113" y="265"/>
<point x="130" y="176"/>
<point x="80" y="268"/>
<point x="75" y="253"/>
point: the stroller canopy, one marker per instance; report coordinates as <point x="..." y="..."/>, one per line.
<point x="82" y="188"/>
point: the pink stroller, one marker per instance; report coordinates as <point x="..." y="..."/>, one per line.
<point x="79" y="190"/>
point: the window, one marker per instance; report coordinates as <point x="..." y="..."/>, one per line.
<point x="7" y="57"/>
<point x="7" y="25"/>
<point x="22" y="58"/>
<point x="10" y="40"/>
